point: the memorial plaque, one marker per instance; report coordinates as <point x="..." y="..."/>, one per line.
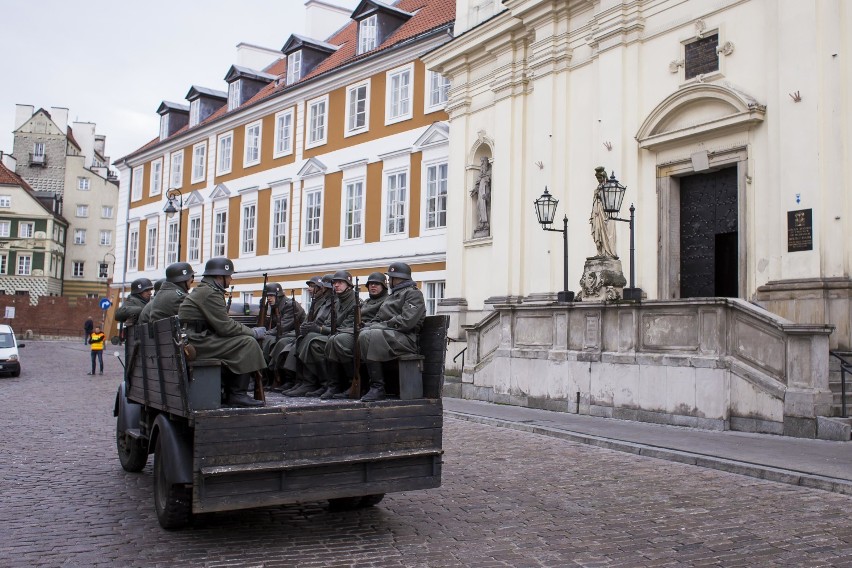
<point x="800" y="230"/>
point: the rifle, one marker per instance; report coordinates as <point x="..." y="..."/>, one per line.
<point x="230" y="299"/>
<point x="276" y="317"/>
<point x="334" y="302"/>
<point x="261" y="316"/>
<point x="355" y="389"/>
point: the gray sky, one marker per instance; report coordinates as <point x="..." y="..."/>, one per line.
<point x="112" y="62"/>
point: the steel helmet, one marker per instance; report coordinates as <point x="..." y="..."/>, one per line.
<point x="315" y="280"/>
<point x="219" y="266"/>
<point x="140" y="285"/>
<point x="273" y="288"/>
<point x="179" y="272"/>
<point x="399" y="270"/>
<point x="378" y="278"/>
<point x="326" y="280"/>
<point x="344" y="276"/>
<point x="158" y="284"/>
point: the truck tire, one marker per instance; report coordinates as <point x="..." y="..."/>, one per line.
<point x="173" y="501"/>
<point x="132" y="453"/>
<point x="344" y="503"/>
<point x="370" y="500"/>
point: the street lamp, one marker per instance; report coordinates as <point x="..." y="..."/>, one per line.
<point x="611" y="194"/>
<point x="170" y="209"/>
<point x="106" y="280"/>
<point x="545" y="211"/>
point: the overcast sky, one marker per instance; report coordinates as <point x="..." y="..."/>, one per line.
<point x="112" y="62"/>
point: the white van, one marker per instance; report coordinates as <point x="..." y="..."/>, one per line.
<point x="10" y="362"/>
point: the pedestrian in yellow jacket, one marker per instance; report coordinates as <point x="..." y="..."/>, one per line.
<point x="96" y="341"/>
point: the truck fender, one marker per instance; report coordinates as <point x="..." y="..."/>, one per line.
<point x="129" y="413"/>
<point x="176" y="445"/>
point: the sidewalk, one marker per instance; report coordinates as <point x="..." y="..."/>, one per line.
<point x="817" y="464"/>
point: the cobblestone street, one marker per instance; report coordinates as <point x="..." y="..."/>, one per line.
<point x="508" y="498"/>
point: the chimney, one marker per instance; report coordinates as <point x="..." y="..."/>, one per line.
<point x="22" y="114"/>
<point x="8" y="160"/>
<point x="322" y="18"/>
<point x="100" y="143"/>
<point x="256" y="57"/>
<point x="60" y="118"/>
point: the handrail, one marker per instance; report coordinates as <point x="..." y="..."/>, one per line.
<point x="845" y="367"/>
<point x="460" y="353"/>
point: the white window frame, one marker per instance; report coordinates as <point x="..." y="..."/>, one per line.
<point x="155" y="187"/>
<point x="234" y="90"/>
<point x="194" y="112"/>
<point x="79" y="236"/>
<point x="25" y="265"/>
<point x="367" y="34"/>
<point x="105" y="237"/>
<point x="38" y="149"/>
<point x="5" y="201"/>
<point x="193" y="241"/>
<point x="279" y="222"/>
<point x="106" y="212"/>
<point x="430" y="289"/>
<point x="436" y="165"/>
<point x="199" y="162"/>
<point x="221" y="167"/>
<point x="151" y="248"/>
<point x="313" y="199"/>
<point x="26" y="230"/>
<point x="360" y="204"/>
<point x="248" y="229"/>
<point x="253" y="142"/>
<point x="435" y="84"/>
<point x="313" y="139"/>
<point x="176" y="171"/>
<point x="405" y="98"/>
<point x="5" y="229"/>
<point x="164" y="126"/>
<point x="75" y="273"/>
<point x="294" y="67"/>
<point x="133" y="250"/>
<point x="83" y="184"/>
<point x="284" y="144"/>
<point x="386" y="203"/>
<point x="82" y="210"/>
<point x="172" y="240"/>
<point x="136" y="183"/>
<point x="220" y="248"/>
<point x="351" y="129"/>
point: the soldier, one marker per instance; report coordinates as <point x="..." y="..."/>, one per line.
<point x="204" y="317"/>
<point x="339" y="350"/>
<point x="285" y="343"/>
<point x="393" y="331"/>
<point x="319" y="319"/>
<point x="157" y="285"/>
<point x="344" y="326"/>
<point x="173" y="289"/>
<point x="140" y="294"/>
<point x="283" y="315"/>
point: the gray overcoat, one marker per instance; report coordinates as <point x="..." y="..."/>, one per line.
<point x="130" y="309"/>
<point x="164" y="304"/>
<point x="393" y="331"/>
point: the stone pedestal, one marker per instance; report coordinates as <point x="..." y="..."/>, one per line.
<point x="603" y="279"/>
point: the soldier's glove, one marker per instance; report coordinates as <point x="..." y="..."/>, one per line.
<point x="307" y="328"/>
<point x="259" y="332"/>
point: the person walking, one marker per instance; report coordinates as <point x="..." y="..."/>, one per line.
<point x="96" y="342"/>
<point x="88" y="327"/>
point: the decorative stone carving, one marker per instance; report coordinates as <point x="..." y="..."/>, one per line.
<point x="603" y="232"/>
<point x="726" y="48"/>
<point x="675" y="64"/>
<point x="481" y="193"/>
<point x="700" y="28"/>
<point x="603" y="280"/>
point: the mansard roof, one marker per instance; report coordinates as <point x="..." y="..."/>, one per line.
<point x="296" y="42"/>
<point x="8" y="177"/>
<point x="168" y="106"/>
<point x="369" y="7"/>
<point x="195" y="91"/>
<point x="238" y="72"/>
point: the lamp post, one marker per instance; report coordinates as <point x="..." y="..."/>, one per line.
<point x="545" y="211"/>
<point x="170" y="209"/>
<point x="106" y="282"/>
<point x="611" y="194"/>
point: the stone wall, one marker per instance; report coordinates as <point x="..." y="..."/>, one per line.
<point x="50" y="316"/>
<point x="710" y="363"/>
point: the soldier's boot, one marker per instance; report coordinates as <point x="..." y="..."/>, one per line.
<point x="309" y="384"/>
<point x="335" y="383"/>
<point x="348" y="371"/>
<point x="236" y="392"/>
<point x="377" y="382"/>
<point x="288" y="378"/>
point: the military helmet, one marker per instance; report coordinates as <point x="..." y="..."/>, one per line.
<point x="179" y="272"/>
<point x="378" y="278"/>
<point x="273" y="288"/>
<point x="399" y="270"/>
<point x="219" y="266"/>
<point x="342" y="275"/>
<point x="158" y="284"/>
<point x="315" y="280"/>
<point x="326" y="280"/>
<point x="140" y="285"/>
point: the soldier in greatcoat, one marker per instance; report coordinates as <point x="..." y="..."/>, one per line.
<point x="281" y="351"/>
<point x="319" y="317"/>
<point x="340" y="348"/>
<point x="394" y="329"/>
<point x="283" y="315"/>
<point x="140" y="294"/>
<point x="174" y="288"/>
<point x="204" y="317"/>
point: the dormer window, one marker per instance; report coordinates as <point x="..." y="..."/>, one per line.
<point x="294" y="67"/>
<point x="173" y="117"/>
<point x="234" y="95"/>
<point x="164" y="126"/>
<point x="367" y="34"/>
<point x="194" y="112"/>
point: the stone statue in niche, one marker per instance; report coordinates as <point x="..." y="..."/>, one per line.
<point x="481" y="193"/>
<point x="603" y="231"/>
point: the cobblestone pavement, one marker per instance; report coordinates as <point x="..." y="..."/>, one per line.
<point x="509" y="498"/>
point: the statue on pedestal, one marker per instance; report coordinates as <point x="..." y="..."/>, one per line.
<point x="603" y="231"/>
<point x="481" y="193"/>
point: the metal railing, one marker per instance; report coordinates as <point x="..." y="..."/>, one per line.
<point x="845" y="367"/>
<point x="38" y="159"/>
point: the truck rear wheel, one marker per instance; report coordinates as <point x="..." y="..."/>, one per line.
<point x="173" y="501"/>
<point x="344" y="503"/>
<point x="132" y="452"/>
<point x="370" y="500"/>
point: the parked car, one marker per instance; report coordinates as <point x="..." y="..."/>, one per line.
<point x="10" y="361"/>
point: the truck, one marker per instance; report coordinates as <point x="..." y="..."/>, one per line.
<point x="209" y="457"/>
